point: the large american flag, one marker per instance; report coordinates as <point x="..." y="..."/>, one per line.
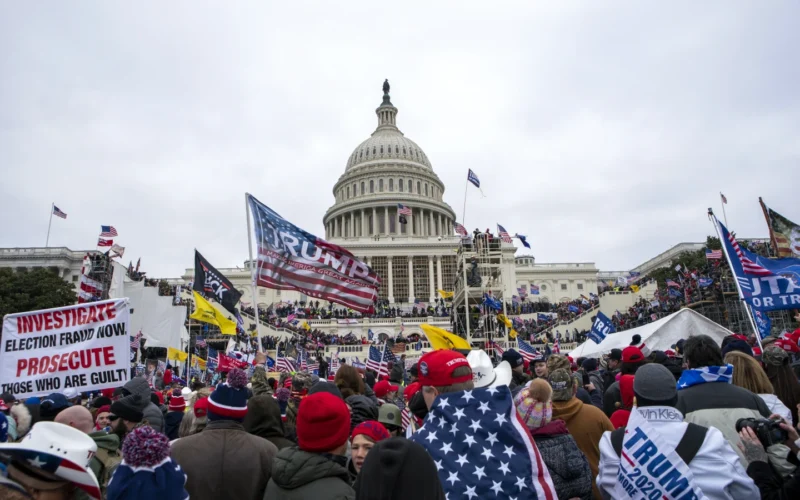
<point x="284" y="364"/>
<point x="290" y="258"/>
<point x="58" y="213"/>
<point x="713" y="254"/>
<point x="528" y="352"/>
<point x="403" y="210"/>
<point x="482" y="449"/>
<point x="460" y="229"/>
<point x="136" y="340"/>
<point x="504" y="234"/>
<point x="748" y="266"/>
<point x="377" y="360"/>
<point x="499" y="350"/>
<point x="108" y="231"/>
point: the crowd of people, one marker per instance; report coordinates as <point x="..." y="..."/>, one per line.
<point x="702" y="420"/>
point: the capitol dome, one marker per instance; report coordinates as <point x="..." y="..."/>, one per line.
<point x="385" y="176"/>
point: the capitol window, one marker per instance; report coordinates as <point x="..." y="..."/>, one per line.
<point x="362" y="188"/>
<point x="410" y="186"/>
<point x="543" y="287"/>
<point x="580" y="286"/>
<point x="400" y="185"/>
<point x="380" y="185"/>
<point x="563" y="286"/>
<point x="391" y="184"/>
<point x="354" y="190"/>
<point x="426" y="190"/>
<point x="373" y="150"/>
<point x="419" y="187"/>
<point x="348" y="191"/>
<point x="371" y="186"/>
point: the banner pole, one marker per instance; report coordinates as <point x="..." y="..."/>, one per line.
<point x="49" y="224"/>
<point x="735" y="280"/>
<point x="253" y="272"/>
<point x="463" y="212"/>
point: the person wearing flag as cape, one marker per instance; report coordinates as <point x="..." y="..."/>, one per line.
<point x="658" y="453"/>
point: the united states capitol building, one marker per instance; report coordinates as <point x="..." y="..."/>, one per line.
<point x="414" y="259"/>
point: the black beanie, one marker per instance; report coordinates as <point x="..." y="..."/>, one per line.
<point x="397" y="469"/>
<point x="322" y="386"/>
<point x="127" y="408"/>
<point x="101" y="401"/>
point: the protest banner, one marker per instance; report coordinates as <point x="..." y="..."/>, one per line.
<point x="83" y="347"/>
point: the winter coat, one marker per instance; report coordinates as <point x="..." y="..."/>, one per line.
<point x="586" y="424"/>
<point x="568" y="467"/>
<point x="775" y="405"/>
<point x="264" y="420"/>
<point x="609" y="377"/>
<point x="224" y="461"/>
<point x="720" y="405"/>
<point x="370" y="394"/>
<point x="153" y="415"/>
<point x="397" y="373"/>
<point x="172" y="424"/>
<point x="596" y="378"/>
<point x="300" y="475"/>
<point x="21" y="415"/>
<point x="611" y="398"/>
<point x="361" y="409"/>
<point x="715" y="467"/>
<point x="260" y="383"/>
<point x="105" y="461"/>
<point x="771" y="485"/>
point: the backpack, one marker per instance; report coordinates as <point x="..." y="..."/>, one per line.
<point x="687" y="447"/>
<point x="109" y="461"/>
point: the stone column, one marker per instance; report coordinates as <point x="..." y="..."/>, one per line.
<point x="430" y="278"/>
<point x="353" y="232"/>
<point x="411" y="295"/>
<point x="369" y="260"/>
<point x="386" y="220"/>
<point x="335" y="223"/>
<point x="374" y="222"/>
<point x="364" y="223"/>
<point x="433" y="224"/>
<point x="397" y="224"/>
<point x="391" y="278"/>
<point x="439" y="272"/>
<point x="442" y="232"/>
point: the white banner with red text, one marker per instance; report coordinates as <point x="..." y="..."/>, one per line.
<point x="82" y="347"/>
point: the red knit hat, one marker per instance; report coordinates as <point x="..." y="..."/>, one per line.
<point x="323" y="423"/>
<point x="632" y="354"/>
<point x="176" y="402"/>
<point x="103" y="409"/>
<point x="372" y="429"/>
<point x="201" y="408"/>
<point x="436" y="368"/>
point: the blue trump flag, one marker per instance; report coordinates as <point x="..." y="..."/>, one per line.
<point x="705" y="282"/>
<point x="542" y="317"/>
<point x="481" y="448"/>
<point x="601" y="327"/>
<point x="766" y="284"/>
<point x="763" y="322"/>
<point x="492" y="302"/>
<point x="572" y="308"/>
<point x="524" y="240"/>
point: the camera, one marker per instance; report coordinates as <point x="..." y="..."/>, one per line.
<point x="768" y="431"/>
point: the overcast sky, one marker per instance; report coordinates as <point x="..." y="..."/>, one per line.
<point x="602" y="132"/>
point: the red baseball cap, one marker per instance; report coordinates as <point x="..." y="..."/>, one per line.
<point x="201" y="407"/>
<point x="436" y="368"/>
<point x="383" y="388"/>
<point x="632" y="354"/>
<point x="410" y="390"/>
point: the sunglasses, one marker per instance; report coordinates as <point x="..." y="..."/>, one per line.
<point x="113" y="417"/>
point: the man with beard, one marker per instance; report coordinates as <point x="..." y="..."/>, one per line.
<point x="126" y="415"/>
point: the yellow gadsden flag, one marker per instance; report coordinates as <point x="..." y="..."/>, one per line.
<point x="446" y="295"/>
<point x="199" y="363"/>
<point x="206" y="313"/>
<point x="176" y="355"/>
<point x="442" y="339"/>
<point x="502" y="318"/>
<point x="634" y="288"/>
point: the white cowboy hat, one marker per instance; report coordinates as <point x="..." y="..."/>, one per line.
<point x="59" y="449"/>
<point x="483" y="374"/>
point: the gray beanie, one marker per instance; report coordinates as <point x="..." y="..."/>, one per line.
<point x="653" y="383"/>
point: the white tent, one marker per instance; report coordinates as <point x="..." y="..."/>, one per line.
<point x="658" y="336"/>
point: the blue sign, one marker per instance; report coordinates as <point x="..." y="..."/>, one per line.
<point x="763" y="323"/>
<point x="705" y="282"/>
<point x="766" y="284"/>
<point x="602" y="326"/>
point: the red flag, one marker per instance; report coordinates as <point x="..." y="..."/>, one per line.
<point x="101" y="242"/>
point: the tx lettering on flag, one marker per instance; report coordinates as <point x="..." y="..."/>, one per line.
<point x="290" y="258"/>
<point x="482" y="449"/>
<point x="601" y="327"/>
<point x="649" y="468"/>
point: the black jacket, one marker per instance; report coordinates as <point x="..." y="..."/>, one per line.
<point x="172" y="423"/>
<point x="398" y="469"/>
<point x="361" y="409"/>
<point x="297" y="475"/>
<point x="771" y="485"/>
<point x="263" y="419"/>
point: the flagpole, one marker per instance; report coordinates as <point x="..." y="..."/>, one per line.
<point x="253" y="273"/>
<point x="747" y="307"/>
<point x="463" y="212"/>
<point x="49" y="224"/>
<point x="722" y="202"/>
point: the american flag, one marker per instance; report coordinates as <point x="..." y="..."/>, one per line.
<point x="58" y="213"/>
<point x="481" y="448"/>
<point x="460" y="229"/>
<point x="136" y="341"/>
<point x="104" y="243"/>
<point x="504" y="234"/>
<point x="405" y="416"/>
<point x="377" y="361"/>
<point x="108" y="231"/>
<point x="403" y="210"/>
<point x="312" y="365"/>
<point x="200" y="342"/>
<point x="748" y="265"/>
<point x="499" y="350"/>
<point x="290" y="258"/>
<point x="56" y="465"/>
<point x="673" y="284"/>
<point x="303" y="363"/>
<point x="528" y="352"/>
<point x="557" y="346"/>
<point x="724" y="199"/>
<point x="284" y="364"/>
<point x="713" y="254"/>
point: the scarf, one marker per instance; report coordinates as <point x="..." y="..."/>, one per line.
<point x="706" y="374"/>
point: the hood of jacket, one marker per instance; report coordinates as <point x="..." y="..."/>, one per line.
<point x="361" y="409"/>
<point x="138" y="385"/>
<point x="553" y="428"/>
<point x="105" y="440"/>
<point x="263" y="417"/>
<point x="567" y="410"/>
<point x="22" y="416"/>
<point x="293" y="468"/>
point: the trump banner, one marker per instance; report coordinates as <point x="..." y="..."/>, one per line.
<point x="81" y="347"/>
<point x="601" y="327"/>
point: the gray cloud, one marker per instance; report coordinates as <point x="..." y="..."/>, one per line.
<point x="603" y="132"/>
